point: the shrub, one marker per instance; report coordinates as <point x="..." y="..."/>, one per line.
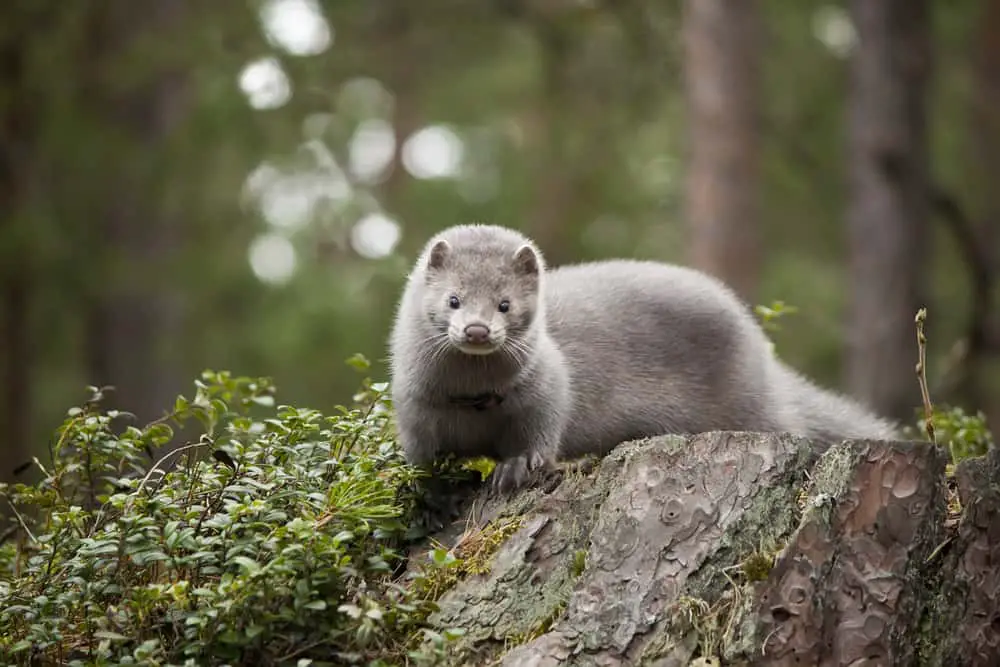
<point x="272" y="538"/>
<point x="965" y="435"/>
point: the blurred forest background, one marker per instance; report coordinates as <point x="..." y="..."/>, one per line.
<point x="243" y="184"/>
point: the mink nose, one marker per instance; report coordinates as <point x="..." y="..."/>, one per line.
<point x="477" y="334"/>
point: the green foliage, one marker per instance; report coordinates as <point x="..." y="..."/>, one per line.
<point x="579" y="562"/>
<point x="757" y="566"/>
<point x="769" y="315"/>
<point x="272" y="538"/>
<point x="965" y="435"/>
<point x="482" y="465"/>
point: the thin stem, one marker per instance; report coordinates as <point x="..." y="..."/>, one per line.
<point x="922" y="374"/>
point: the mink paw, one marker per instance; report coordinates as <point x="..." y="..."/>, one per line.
<point x="512" y="474"/>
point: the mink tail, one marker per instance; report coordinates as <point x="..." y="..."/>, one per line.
<point x="829" y="417"/>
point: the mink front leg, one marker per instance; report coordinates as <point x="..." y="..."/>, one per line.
<point x="414" y="433"/>
<point x="532" y="444"/>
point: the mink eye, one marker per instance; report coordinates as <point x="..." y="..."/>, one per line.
<point x="504" y="306"/>
<point x="453" y="302"/>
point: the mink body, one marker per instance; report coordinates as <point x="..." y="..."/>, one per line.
<point x="493" y="355"/>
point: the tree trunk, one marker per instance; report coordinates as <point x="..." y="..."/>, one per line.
<point x="135" y="319"/>
<point x="401" y="72"/>
<point x="15" y="270"/>
<point x="569" y="160"/>
<point x="15" y="413"/>
<point x="552" y="211"/>
<point x="888" y="207"/>
<point x="721" y="87"/>
<point x="983" y="354"/>
<point x="749" y="548"/>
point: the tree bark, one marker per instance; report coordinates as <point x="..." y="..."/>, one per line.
<point x="964" y="622"/>
<point x="748" y="548"/>
<point x="722" y="178"/>
<point x="888" y="208"/>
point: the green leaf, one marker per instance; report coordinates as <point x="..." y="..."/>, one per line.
<point x="146" y="557"/>
<point x="249" y="564"/>
<point x="160" y="434"/>
<point x="482" y="465"/>
<point x="103" y="549"/>
<point x="443" y="557"/>
<point x="22" y="645"/>
<point x="358" y="362"/>
<point x="222" y="456"/>
<point x="351" y="610"/>
<point x="263" y="399"/>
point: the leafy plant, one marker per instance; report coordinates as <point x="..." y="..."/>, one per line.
<point x="769" y="315"/>
<point x="275" y="537"/>
<point x="965" y="435"/>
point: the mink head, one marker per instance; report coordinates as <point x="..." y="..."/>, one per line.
<point x="481" y="288"/>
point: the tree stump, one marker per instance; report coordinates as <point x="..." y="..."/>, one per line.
<point x="740" y="549"/>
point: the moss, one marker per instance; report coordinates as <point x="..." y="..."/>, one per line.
<point x="757" y="566"/>
<point x="471" y="555"/>
<point x="544" y="625"/>
<point x="696" y="629"/>
<point x="535" y="596"/>
<point x="579" y="562"/>
<point x="754" y="542"/>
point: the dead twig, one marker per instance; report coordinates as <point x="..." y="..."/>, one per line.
<point x="922" y="373"/>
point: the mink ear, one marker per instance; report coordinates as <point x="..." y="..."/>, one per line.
<point x="526" y="261"/>
<point x="439" y="253"/>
